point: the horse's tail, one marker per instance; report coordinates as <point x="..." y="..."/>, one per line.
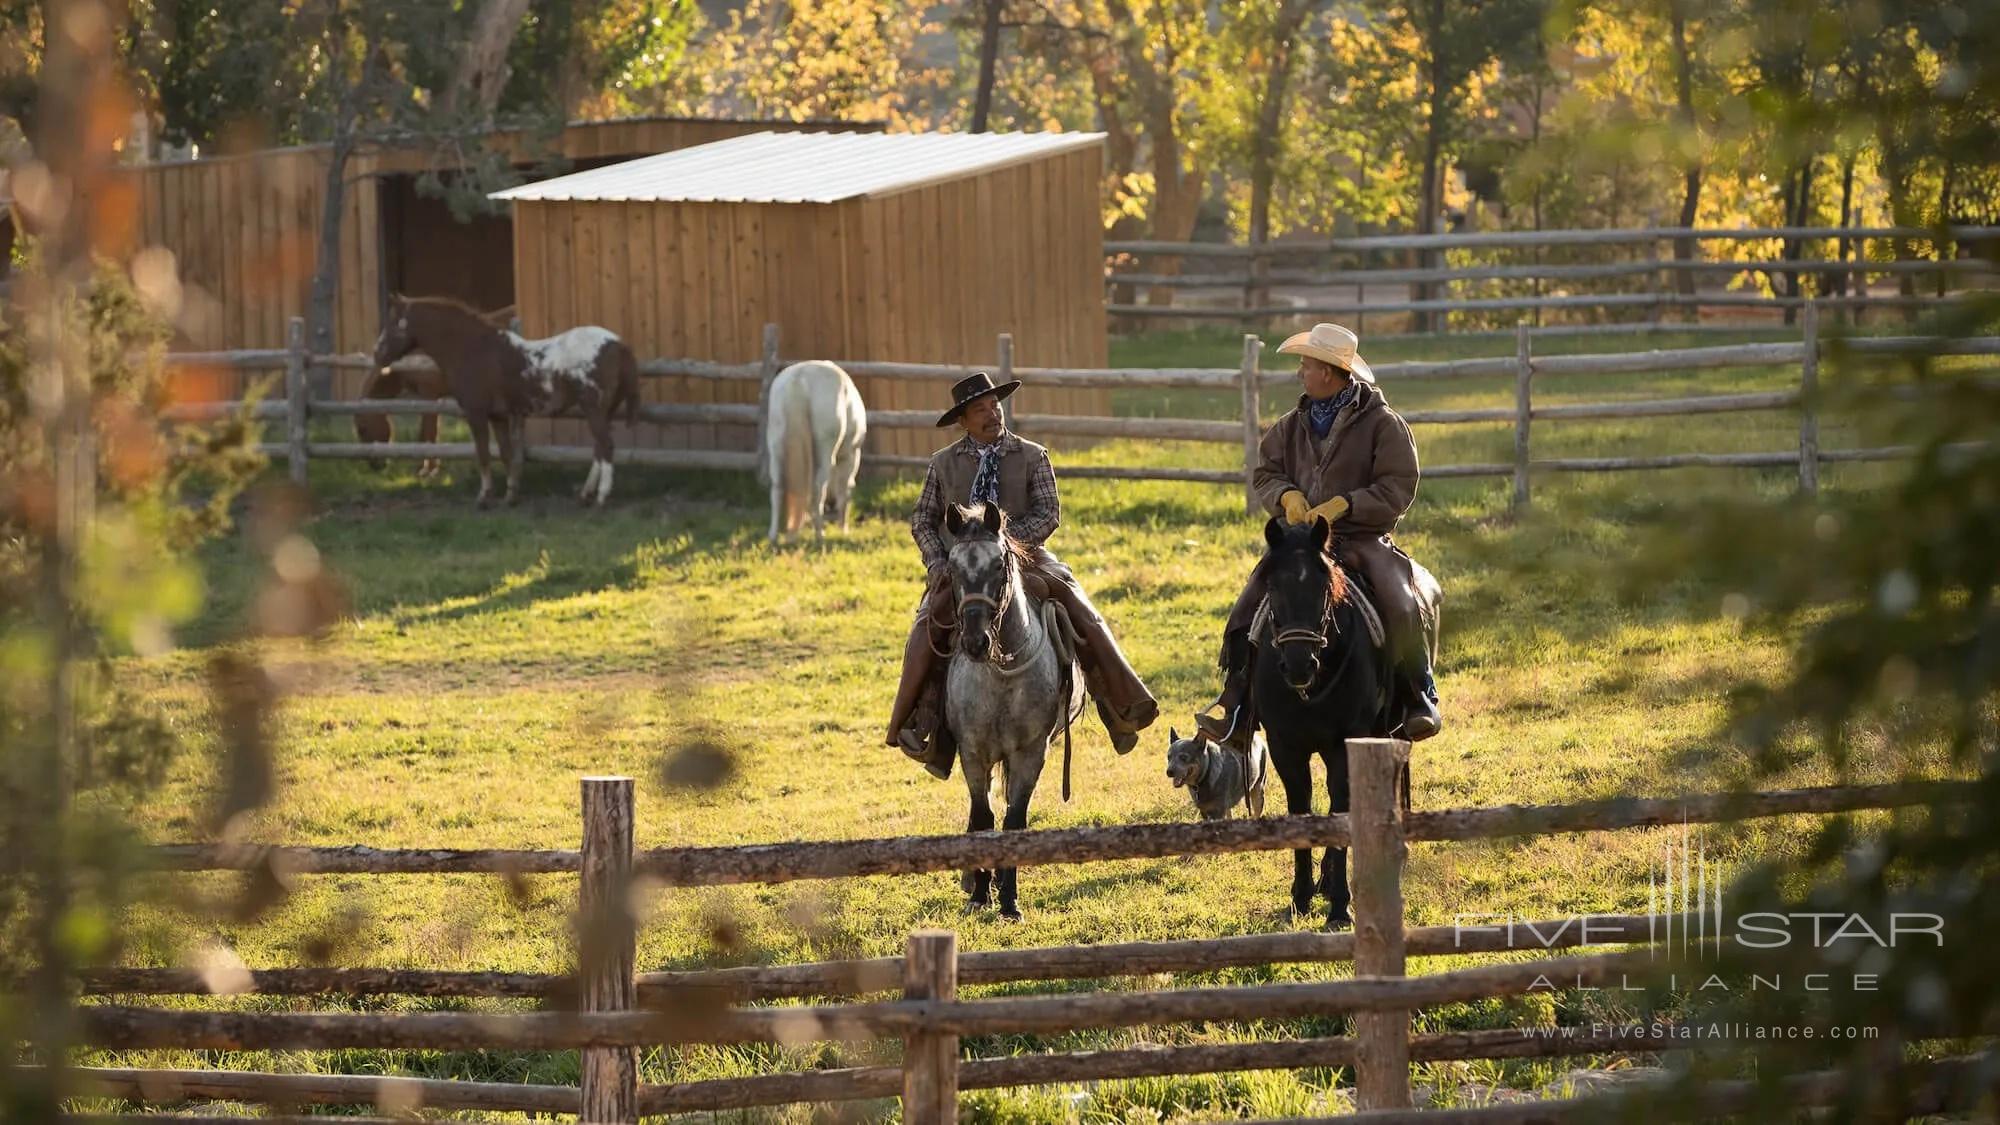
<point x="788" y="451"/>
<point x="628" y="383"/>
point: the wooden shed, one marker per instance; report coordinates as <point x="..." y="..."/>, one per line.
<point x="244" y="229"/>
<point x="915" y="248"/>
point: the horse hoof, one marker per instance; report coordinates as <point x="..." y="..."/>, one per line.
<point x="1010" y="914"/>
<point x="1339" y="920"/>
<point x="484" y="503"/>
<point x="1301" y="913"/>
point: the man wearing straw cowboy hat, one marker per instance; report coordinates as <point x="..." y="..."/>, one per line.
<point x="993" y="466"/>
<point x="1342" y="455"/>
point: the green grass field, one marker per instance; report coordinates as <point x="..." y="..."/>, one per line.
<point x="492" y="658"/>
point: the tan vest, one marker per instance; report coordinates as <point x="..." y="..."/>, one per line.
<point x="955" y="470"/>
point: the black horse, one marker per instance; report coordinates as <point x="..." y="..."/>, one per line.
<point x="1318" y="678"/>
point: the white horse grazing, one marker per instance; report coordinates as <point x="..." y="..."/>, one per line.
<point x="812" y="445"/>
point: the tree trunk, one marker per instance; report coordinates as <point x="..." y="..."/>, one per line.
<point x="1902" y="211"/>
<point x="1798" y="209"/>
<point x="1942" y="243"/>
<point x="482" y="70"/>
<point x="1691" y="173"/>
<point x="1432" y="187"/>
<point x="1845" y="249"/>
<point x="326" y="268"/>
<point x="1176" y="194"/>
<point x="989" y="57"/>
<point x="1268" y="139"/>
<point x="320" y="307"/>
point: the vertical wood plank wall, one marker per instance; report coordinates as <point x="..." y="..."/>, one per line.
<point x="929" y="275"/>
<point x="244" y="229"/>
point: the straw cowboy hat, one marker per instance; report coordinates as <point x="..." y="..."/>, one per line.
<point x="1333" y="344"/>
<point x="971" y="389"/>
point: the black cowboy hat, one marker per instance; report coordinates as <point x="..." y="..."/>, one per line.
<point x="971" y="389"/>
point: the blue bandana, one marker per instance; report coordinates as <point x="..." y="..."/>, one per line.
<point x="1320" y="411"/>
<point x="986" y="481"/>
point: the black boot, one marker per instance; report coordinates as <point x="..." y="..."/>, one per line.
<point x="1421" y="718"/>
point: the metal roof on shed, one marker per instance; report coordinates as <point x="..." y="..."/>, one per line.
<point x="801" y="167"/>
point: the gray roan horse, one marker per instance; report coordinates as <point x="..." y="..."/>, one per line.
<point x="1010" y="688"/>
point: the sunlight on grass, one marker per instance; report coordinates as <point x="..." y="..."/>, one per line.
<point x="492" y="658"/>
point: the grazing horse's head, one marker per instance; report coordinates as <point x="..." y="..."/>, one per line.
<point x="384" y="383"/>
<point x="1304" y="585"/>
<point x="982" y="567"/>
<point x="396" y="340"/>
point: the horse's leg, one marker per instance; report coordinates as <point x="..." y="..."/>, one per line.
<point x="1023" y="771"/>
<point x="599" y="413"/>
<point x="1333" y="871"/>
<point x="517" y="425"/>
<point x="481" y="427"/>
<point x="816" y="496"/>
<point x="979" y="784"/>
<point x="777" y="501"/>
<point x="845" y="464"/>
<point x="504" y="434"/>
<point x="1295" y="774"/>
<point x="427" y="432"/>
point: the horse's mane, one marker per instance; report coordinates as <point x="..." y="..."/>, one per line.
<point x="1336" y="574"/>
<point x="975" y="517"/>
<point x="495" y="318"/>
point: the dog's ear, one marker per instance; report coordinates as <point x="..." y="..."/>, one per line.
<point x="1173" y="736"/>
<point x="954" y="519"/>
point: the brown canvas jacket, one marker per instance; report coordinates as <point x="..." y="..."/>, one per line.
<point x="1027" y="493"/>
<point x="1371" y="459"/>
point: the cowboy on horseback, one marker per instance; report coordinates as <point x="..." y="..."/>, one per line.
<point x="1344" y="456"/>
<point x="991" y="465"/>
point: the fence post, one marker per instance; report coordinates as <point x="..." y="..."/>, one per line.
<point x="1253" y="424"/>
<point x="1809" y="406"/>
<point x="1524" y="373"/>
<point x="768" y="371"/>
<point x="296" y="398"/>
<point x="930" y="1062"/>
<point x="1382" y="1039"/>
<point x="605" y="946"/>
<point x="1004" y="374"/>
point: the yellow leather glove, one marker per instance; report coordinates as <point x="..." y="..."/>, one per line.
<point x="1330" y="511"/>
<point x="1294" y="504"/>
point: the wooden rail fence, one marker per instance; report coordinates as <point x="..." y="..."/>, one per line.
<point x="298" y="408"/>
<point x="606" y="1009"/>
<point x="1671" y="280"/>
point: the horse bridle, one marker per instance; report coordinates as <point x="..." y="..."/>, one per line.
<point x="1328" y="623"/>
<point x="999" y="605"/>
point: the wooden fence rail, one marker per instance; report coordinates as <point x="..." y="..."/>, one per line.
<point x="1528" y="239"/>
<point x="914" y="855"/>
<point x="1666" y="272"/>
<point x="1248" y="380"/>
<point x="698" y="1006"/>
<point x="754" y="983"/>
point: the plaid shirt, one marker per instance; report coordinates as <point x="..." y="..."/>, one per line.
<point x="1032" y="527"/>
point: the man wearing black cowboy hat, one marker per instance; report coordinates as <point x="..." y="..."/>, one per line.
<point x="991" y="465"/>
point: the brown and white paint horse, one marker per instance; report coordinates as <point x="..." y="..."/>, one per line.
<point x="390" y="383"/>
<point x="497" y="376"/>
